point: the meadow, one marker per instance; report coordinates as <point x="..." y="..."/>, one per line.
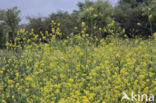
<point x="78" y="69"/>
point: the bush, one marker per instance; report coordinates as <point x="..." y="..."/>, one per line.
<point x="136" y="17"/>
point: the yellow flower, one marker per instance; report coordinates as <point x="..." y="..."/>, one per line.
<point x="82" y="31"/>
<point x="3" y="101"/>
<point x="27" y="90"/>
<point x="83" y="24"/>
<point x="91" y="95"/>
<point x="154" y="34"/>
<point x="149" y="9"/>
<point x="141" y="76"/>
<point x="52" y="21"/>
<point x="105" y="30"/>
<point x="1" y="72"/>
<point x="32" y="30"/>
<point x="139" y="24"/>
<point x="94" y="27"/>
<point x="95" y="15"/>
<point x="17" y="74"/>
<point x="58" y="24"/>
<point x="62" y="101"/>
<point x="75" y="28"/>
<point x="91" y="9"/>
<point x="75" y="69"/>
<point x="100" y="29"/>
<point x="150" y="16"/>
<point x="87" y="35"/>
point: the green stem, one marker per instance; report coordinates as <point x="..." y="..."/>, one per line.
<point x="150" y="23"/>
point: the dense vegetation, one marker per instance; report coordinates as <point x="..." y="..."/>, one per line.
<point x="90" y="56"/>
<point x="137" y="17"/>
<point x="79" y="69"/>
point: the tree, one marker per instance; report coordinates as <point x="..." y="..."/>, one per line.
<point x="135" y="3"/>
<point x="97" y="13"/>
<point x="9" y="24"/>
<point x="38" y="24"/>
<point x="12" y="20"/>
<point x="135" y="17"/>
<point x="67" y="21"/>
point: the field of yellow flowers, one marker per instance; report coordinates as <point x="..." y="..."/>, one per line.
<point x="77" y="69"/>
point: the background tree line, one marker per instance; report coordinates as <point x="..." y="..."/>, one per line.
<point x="137" y="17"/>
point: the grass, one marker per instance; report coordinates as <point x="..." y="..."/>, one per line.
<point x="6" y="53"/>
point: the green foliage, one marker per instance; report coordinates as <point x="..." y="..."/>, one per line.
<point x="1" y="36"/>
<point x="38" y="24"/>
<point x="135" y="3"/>
<point x="2" y="15"/>
<point x="136" y="17"/>
<point x="153" y="12"/>
<point x="97" y="13"/>
<point x="12" y="20"/>
<point x="9" y="24"/>
<point x="67" y="20"/>
<point x="77" y="70"/>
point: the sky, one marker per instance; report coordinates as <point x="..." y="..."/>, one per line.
<point x="41" y="8"/>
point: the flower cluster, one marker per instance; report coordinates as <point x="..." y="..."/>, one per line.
<point x="76" y="69"/>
